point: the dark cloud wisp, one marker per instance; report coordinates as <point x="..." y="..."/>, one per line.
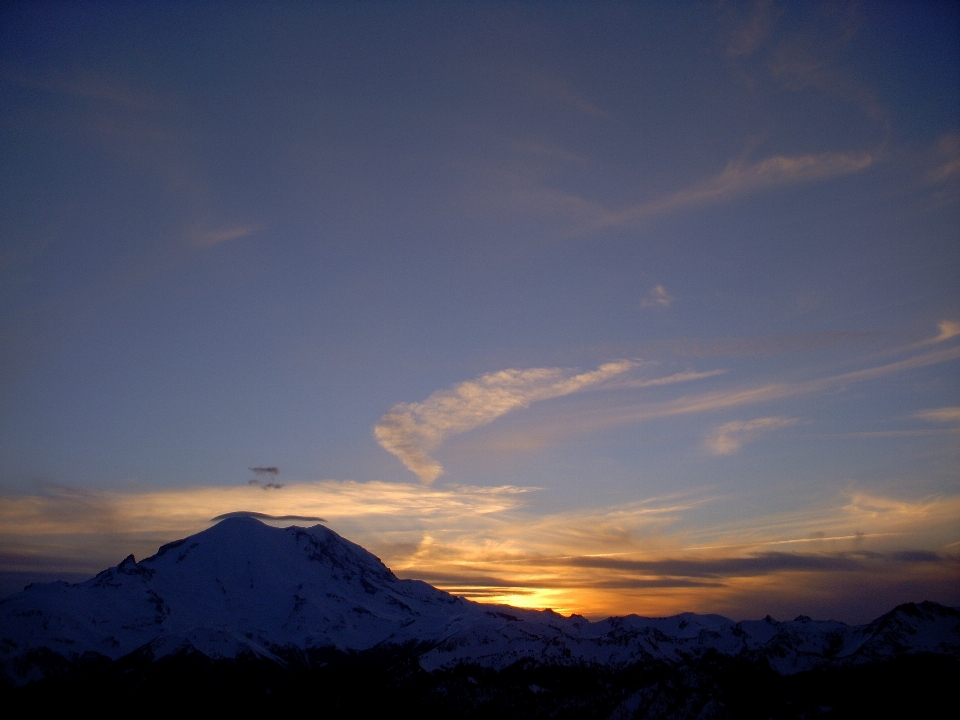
<point x="760" y="564"/>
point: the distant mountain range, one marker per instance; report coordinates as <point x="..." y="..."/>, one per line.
<point x="305" y="607"/>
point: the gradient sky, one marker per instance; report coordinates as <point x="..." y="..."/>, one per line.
<point x="608" y="308"/>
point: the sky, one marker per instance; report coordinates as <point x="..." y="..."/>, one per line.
<point x="605" y="307"/>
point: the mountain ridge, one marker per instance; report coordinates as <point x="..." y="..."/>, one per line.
<point x="243" y="588"/>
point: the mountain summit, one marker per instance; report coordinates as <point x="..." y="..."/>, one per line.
<point x="240" y="586"/>
<point x="246" y="589"/>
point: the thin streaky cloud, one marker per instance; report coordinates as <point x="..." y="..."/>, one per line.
<point x="675" y="378"/>
<point x="741" y="178"/>
<point x="799" y="60"/>
<point x="752" y="346"/>
<point x="89" y="86"/>
<point x="599" y="419"/>
<point x="801" y="64"/>
<point x="215" y="236"/>
<point x="145" y="127"/>
<point x="534" y="197"/>
<point x="944" y="414"/>
<point x="818" y="538"/>
<point x="412" y="430"/>
<point x="728" y="438"/>
<point x="70" y="512"/>
<point x="918" y="361"/>
<point x="723" y="399"/>
<point x="947" y="160"/>
<point x="753" y="564"/>
<point x="556" y="89"/>
<point x="859" y="515"/>
<point x="551" y="151"/>
<point x="892" y="433"/>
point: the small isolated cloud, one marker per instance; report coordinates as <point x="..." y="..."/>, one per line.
<point x="730" y="437"/>
<point x="944" y="414"/>
<point x="658" y="297"/>
<point x="412" y="430"/>
<point x="263" y="473"/>
<point x="266" y="470"/>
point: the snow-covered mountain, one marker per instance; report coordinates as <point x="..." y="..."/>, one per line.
<point x="245" y="588"/>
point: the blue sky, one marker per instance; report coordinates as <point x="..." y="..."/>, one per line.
<point x="497" y="288"/>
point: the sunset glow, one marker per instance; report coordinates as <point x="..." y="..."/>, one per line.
<point x="605" y="308"/>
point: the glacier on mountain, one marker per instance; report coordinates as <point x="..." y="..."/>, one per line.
<point x="243" y="587"/>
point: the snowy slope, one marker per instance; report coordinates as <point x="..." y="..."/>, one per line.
<point x="240" y="584"/>
<point x="245" y="587"/>
<point x="788" y="647"/>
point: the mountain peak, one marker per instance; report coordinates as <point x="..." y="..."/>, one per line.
<point x="243" y="586"/>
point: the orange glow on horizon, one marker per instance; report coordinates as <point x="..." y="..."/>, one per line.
<point x="653" y="557"/>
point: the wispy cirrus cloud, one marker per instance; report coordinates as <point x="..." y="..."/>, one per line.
<point x="555" y="429"/>
<point x="88" y="85"/>
<point x="944" y="414"/>
<point x="729" y="437"/>
<point x="801" y="64"/>
<point x="554" y="89"/>
<point x="740" y="178"/>
<point x="149" y="129"/>
<point x="753" y="346"/>
<point x="807" y="58"/>
<point x="206" y="236"/>
<point x="947" y="159"/>
<point x="948" y="329"/>
<point x="747" y="35"/>
<point x="412" y="430"/>
<point x="680" y="377"/>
